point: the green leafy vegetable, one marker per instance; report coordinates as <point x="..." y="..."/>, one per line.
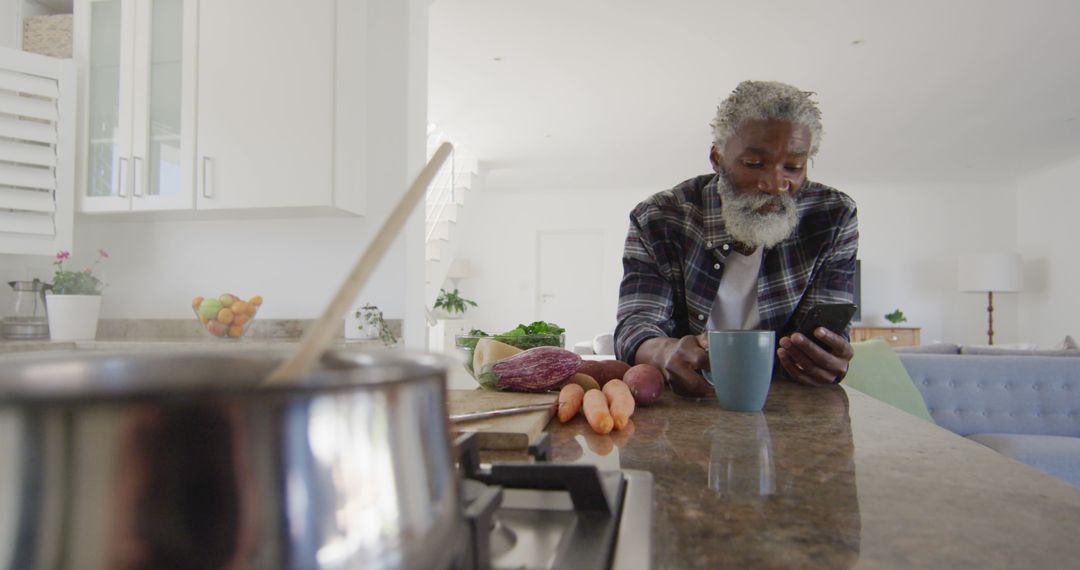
<point x="539" y="333"/>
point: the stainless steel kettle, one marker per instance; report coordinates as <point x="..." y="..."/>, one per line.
<point x="183" y="460"/>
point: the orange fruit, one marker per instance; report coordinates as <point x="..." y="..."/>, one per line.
<point x="241" y="308"/>
<point x="256" y="300"/>
<point x="203" y="319"/>
<point x="240" y="319"/>
<point x="196" y="302"/>
<point x="235" y="331"/>
<point x="225" y="316"/>
<point x="216" y="328"/>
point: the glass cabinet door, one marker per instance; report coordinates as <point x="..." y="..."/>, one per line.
<point x="166" y="57"/>
<point x="106" y="153"/>
<point x="139" y="105"/>
<point x="160" y="139"/>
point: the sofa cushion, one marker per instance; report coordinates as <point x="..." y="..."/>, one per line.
<point x="999" y="394"/>
<point x="1002" y="351"/>
<point x="583" y="347"/>
<point x="936" y="348"/>
<point x="1055" y="455"/>
<point x="877" y="371"/>
<point x="604" y="344"/>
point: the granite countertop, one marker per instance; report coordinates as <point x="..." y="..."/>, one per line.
<point x="153" y="334"/>
<point x="831" y="478"/>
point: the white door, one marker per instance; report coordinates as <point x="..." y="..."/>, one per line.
<point x="570" y="289"/>
<point x="265" y="103"/>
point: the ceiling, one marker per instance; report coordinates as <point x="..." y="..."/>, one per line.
<point x="618" y="94"/>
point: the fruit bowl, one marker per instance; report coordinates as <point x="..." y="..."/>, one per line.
<point x="466" y="343"/>
<point x="226" y="316"/>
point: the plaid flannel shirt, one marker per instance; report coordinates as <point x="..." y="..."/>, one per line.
<point x="677" y="246"/>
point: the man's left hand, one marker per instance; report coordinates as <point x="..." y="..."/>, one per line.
<point x="808" y="363"/>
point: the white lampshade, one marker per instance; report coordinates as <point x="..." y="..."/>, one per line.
<point x="996" y="272"/>
<point x="459" y="269"/>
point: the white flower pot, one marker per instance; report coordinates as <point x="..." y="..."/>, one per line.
<point x="73" y="317"/>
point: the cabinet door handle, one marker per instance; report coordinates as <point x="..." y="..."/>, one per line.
<point x="136" y="175"/>
<point x="122" y="178"/>
<point x="207" y="191"/>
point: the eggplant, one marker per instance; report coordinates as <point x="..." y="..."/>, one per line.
<point x="535" y="370"/>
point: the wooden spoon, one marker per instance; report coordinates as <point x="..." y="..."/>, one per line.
<point x="317" y="338"/>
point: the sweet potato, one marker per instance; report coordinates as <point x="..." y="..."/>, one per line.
<point x="570" y="399"/>
<point x="646" y="383"/>
<point x="596" y="412"/>
<point x="585" y="381"/>
<point x="620" y="402"/>
<point x="604" y="370"/>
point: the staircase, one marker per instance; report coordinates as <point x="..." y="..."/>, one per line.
<point x="443" y="210"/>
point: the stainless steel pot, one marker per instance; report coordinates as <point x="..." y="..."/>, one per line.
<point x="181" y="460"/>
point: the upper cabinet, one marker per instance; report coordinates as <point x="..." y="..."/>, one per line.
<point x="137" y="103"/>
<point x="266" y="103"/>
<point x="211" y="105"/>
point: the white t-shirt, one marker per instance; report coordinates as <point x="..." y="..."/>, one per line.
<point x="736" y="307"/>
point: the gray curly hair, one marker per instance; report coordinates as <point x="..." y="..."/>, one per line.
<point x="764" y="100"/>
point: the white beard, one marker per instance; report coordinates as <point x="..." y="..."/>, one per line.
<point x="746" y="224"/>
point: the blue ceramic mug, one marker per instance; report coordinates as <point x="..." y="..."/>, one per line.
<point x="740" y="368"/>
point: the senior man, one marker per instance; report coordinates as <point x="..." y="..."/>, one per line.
<point x="753" y="246"/>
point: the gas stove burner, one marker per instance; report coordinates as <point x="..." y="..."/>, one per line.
<point x="503" y="540"/>
<point x="542" y="515"/>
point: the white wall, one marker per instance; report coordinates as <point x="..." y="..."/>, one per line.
<point x="156" y="267"/>
<point x="1047" y="204"/>
<point x="500" y="241"/>
<point x="910" y="237"/>
<point x="10" y="19"/>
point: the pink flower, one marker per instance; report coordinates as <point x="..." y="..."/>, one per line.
<point x="103" y="253"/>
<point x="62" y="255"/>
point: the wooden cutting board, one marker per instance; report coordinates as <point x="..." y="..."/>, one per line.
<point x="514" y="432"/>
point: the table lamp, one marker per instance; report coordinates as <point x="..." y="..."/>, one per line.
<point x="990" y="272"/>
<point x="459" y="269"/>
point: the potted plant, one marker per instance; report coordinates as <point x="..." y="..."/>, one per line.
<point x="74" y="300"/>
<point x="373" y="325"/>
<point x="896" y="317"/>
<point x="452" y="302"/>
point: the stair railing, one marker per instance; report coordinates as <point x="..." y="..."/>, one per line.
<point x="444" y="195"/>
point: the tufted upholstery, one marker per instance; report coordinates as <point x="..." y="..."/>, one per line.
<point x="971" y="394"/>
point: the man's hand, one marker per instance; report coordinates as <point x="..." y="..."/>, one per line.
<point x="807" y="363"/>
<point x="679" y="359"/>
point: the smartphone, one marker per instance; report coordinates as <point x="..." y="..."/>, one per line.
<point x="833" y="316"/>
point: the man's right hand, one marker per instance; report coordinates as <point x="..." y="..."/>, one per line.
<point x="679" y="359"/>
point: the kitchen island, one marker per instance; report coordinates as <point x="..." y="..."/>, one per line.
<point x="830" y="478"/>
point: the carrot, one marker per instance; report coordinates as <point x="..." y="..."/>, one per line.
<point x="596" y="411"/>
<point x="570" y="399"/>
<point x="620" y="401"/>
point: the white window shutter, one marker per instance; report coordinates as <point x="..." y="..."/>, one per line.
<point x="37" y="152"/>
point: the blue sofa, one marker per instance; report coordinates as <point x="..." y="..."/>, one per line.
<point x="1024" y="406"/>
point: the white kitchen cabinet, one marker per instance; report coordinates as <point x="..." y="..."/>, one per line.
<point x="266" y="103"/>
<point x="219" y="105"/>
<point x="137" y="74"/>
